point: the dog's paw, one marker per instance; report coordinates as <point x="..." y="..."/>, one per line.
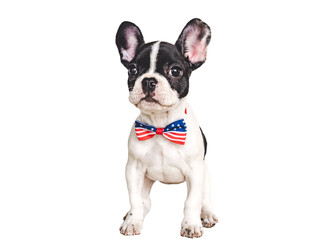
<point x="191" y="229"/>
<point x="131" y="225"/>
<point x="208" y="219"/>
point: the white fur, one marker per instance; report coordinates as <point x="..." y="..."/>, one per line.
<point x="153" y="57"/>
<point x="158" y="159"/>
<point x="164" y="94"/>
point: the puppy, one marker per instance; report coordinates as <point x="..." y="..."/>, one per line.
<point x="166" y="143"/>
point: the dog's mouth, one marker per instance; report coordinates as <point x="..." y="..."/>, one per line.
<point x="150" y="99"/>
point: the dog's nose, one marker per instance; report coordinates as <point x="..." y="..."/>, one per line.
<point x="149" y="84"/>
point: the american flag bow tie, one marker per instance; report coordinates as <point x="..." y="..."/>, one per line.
<point x="175" y="132"/>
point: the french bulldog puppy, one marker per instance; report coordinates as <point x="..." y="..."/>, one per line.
<point x="166" y="143"/>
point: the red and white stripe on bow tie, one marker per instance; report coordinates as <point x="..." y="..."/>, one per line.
<point x="144" y="134"/>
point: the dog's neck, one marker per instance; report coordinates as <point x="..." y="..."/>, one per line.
<point x="162" y="119"/>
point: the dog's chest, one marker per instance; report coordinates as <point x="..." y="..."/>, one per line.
<point x="162" y="160"/>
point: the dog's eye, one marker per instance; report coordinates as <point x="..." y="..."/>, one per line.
<point x="175" y="71"/>
<point x="132" y="70"/>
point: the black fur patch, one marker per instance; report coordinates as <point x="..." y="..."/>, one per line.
<point x="204" y="143"/>
<point x="141" y="61"/>
<point x="169" y="57"/>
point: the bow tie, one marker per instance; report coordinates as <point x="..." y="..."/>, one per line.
<point x="175" y="132"/>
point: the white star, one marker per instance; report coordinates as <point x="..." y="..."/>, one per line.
<point x="172" y="125"/>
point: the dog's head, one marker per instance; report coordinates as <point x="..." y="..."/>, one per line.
<point x="159" y="71"/>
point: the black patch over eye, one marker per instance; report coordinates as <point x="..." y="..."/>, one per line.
<point x="175" y="71"/>
<point x="132" y="70"/>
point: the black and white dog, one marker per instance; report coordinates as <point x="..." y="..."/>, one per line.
<point x="166" y="143"/>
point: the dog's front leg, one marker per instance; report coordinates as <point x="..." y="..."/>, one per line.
<point x="133" y="221"/>
<point x="191" y="225"/>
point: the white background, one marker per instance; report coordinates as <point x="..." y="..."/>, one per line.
<point x="65" y="118"/>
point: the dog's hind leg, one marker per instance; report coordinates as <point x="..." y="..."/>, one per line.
<point x="208" y="218"/>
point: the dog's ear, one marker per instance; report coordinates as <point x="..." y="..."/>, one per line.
<point x="128" y="39"/>
<point x="193" y="42"/>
